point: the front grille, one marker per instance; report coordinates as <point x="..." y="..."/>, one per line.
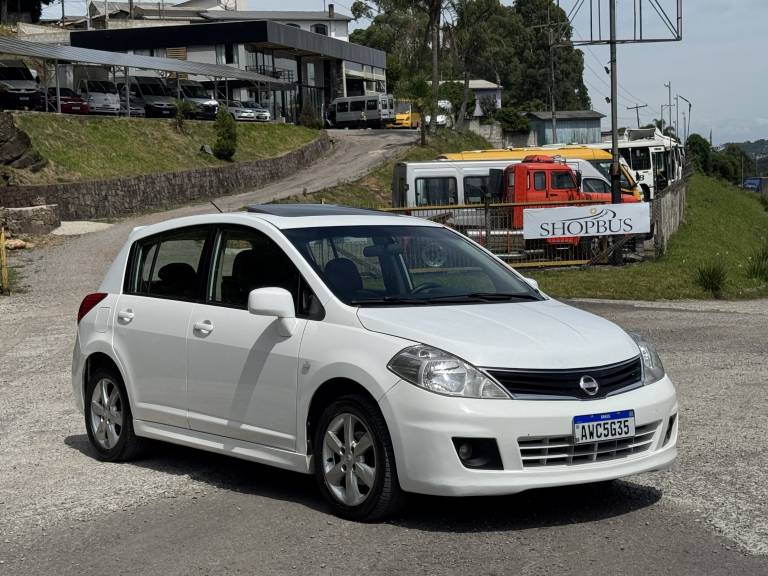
<point x="564" y="384"/>
<point x="536" y="452"/>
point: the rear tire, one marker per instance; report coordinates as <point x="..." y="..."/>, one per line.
<point x="355" y="461"/>
<point x="108" y="418"/>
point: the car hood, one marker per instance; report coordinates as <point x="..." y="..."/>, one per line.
<point x="538" y="335"/>
<point x="202" y="101"/>
<point x="20" y="84"/>
<point x="158" y="100"/>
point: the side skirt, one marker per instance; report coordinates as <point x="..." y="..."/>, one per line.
<point x="227" y="446"/>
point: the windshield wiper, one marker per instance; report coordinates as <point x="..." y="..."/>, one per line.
<point x="485" y="297"/>
<point x="388" y="300"/>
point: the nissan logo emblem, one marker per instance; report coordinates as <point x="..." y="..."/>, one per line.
<point x="589" y="385"/>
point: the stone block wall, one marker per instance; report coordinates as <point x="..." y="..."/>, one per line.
<point x="35" y="220"/>
<point x="130" y="195"/>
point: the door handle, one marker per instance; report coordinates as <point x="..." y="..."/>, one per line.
<point x="125" y="315"/>
<point x="205" y="327"/>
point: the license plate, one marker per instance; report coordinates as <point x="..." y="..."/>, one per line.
<point x="23" y="98"/>
<point x="607" y="426"/>
<point x="75" y="107"/>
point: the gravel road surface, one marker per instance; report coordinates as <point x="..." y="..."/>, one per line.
<point x="184" y="512"/>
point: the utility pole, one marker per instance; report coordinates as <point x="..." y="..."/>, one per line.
<point x="685" y="129"/>
<point x="636" y="108"/>
<point x="552" y="79"/>
<point x="615" y="169"/>
<point x="62" y="11"/>
<point x="669" y="86"/>
<point x="106" y="14"/>
<point x="687" y="132"/>
<point x="677" y="114"/>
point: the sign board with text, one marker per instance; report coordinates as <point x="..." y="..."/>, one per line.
<point x="593" y="220"/>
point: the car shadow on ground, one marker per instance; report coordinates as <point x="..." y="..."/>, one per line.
<point x="531" y="509"/>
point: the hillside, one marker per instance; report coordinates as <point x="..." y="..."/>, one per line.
<point x="91" y="147"/>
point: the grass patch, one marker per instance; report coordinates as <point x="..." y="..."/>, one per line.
<point x="91" y="148"/>
<point x="374" y="190"/>
<point x="723" y="224"/>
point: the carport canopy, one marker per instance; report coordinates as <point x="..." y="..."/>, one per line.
<point x="71" y="54"/>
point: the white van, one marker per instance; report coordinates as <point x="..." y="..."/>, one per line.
<point x="371" y="111"/>
<point x="101" y="96"/>
<point x="466" y="181"/>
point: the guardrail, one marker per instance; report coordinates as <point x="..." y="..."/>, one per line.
<point x="499" y="227"/>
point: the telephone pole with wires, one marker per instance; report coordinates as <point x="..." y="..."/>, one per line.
<point x="636" y="108"/>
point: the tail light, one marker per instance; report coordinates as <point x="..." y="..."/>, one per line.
<point x="88" y="304"/>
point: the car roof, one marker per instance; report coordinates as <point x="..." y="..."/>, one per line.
<point x="288" y="216"/>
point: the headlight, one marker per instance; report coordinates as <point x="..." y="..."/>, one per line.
<point x="443" y="373"/>
<point x="653" y="369"/>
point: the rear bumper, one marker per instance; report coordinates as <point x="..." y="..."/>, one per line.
<point x="422" y="426"/>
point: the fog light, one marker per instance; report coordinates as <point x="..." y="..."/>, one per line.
<point x="478" y="453"/>
<point x="465" y="451"/>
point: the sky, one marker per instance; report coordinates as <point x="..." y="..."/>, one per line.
<point x="720" y="65"/>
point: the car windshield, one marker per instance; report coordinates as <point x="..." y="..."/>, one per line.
<point x="252" y="104"/>
<point x="11" y="73"/>
<point x="64" y="92"/>
<point x="234" y="104"/>
<point x="194" y="91"/>
<point x="605" y="169"/>
<point x="406" y="266"/>
<point x="403" y="108"/>
<point x="102" y="87"/>
<point x="152" y="88"/>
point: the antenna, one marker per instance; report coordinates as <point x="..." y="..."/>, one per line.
<point x="217" y="208"/>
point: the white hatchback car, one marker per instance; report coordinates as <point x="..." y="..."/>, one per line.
<point x="385" y="354"/>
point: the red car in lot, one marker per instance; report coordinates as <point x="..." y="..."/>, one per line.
<point x="71" y="102"/>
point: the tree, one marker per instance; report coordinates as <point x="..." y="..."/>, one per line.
<point x="433" y="11"/>
<point x="533" y="45"/>
<point x="699" y="151"/>
<point x="226" y="135"/>
<point x="453" y="92"/>
<point x="661" y="125"/>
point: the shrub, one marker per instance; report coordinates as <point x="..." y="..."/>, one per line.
<point x="712" y="277"/>
<point x="757" y="265"/>
<point x="309" y="119"/>
<point x="184" y="110"/>
<point x="226" y="135"/>
<point x="511" y="120"/>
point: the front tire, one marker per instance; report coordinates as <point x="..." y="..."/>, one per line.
<point x="108" y="418"/>
<point x="355" y="461"/>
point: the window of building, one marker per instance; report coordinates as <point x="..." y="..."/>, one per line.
<point x="436" y="191"/>
<point x="227" y="54"/>
<point x="320" y="29"/>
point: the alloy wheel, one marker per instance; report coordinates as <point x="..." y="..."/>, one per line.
<point x="106" y="413"/>
<point x="349" y="459"/>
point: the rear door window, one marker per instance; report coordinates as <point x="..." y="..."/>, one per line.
<point x="357" y="105"/>
<point x="171" y="265"/>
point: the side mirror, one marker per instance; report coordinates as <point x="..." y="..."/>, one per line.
<point x="638" y="177"/>
<point x="578" y="179"/>
<point x="532" y="283"/>
<point x="276" y="302"/>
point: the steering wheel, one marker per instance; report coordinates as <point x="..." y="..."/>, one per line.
<point x="426" y="286"/>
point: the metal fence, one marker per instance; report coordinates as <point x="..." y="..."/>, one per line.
<point x="668" y="211"/>
<point x="499" y="227"/>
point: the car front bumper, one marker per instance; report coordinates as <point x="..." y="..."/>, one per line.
<point x="422" y="426"/>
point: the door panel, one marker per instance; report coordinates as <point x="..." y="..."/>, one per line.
<point x="150" y="341"/>
<point x="242" y="376"/>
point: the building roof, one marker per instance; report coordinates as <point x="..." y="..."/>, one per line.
<point x="254" y="32"/>
<point x="568" y="115"/>
<point x="477" y="84"/>
<point x="273" y="15"/>
<point x="106" y="58"/>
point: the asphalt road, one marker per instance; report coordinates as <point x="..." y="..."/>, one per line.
<point x="183" y="512"/>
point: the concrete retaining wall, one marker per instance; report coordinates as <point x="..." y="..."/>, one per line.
<point x="668" y="213"/>
<point x="123" y="196"/>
